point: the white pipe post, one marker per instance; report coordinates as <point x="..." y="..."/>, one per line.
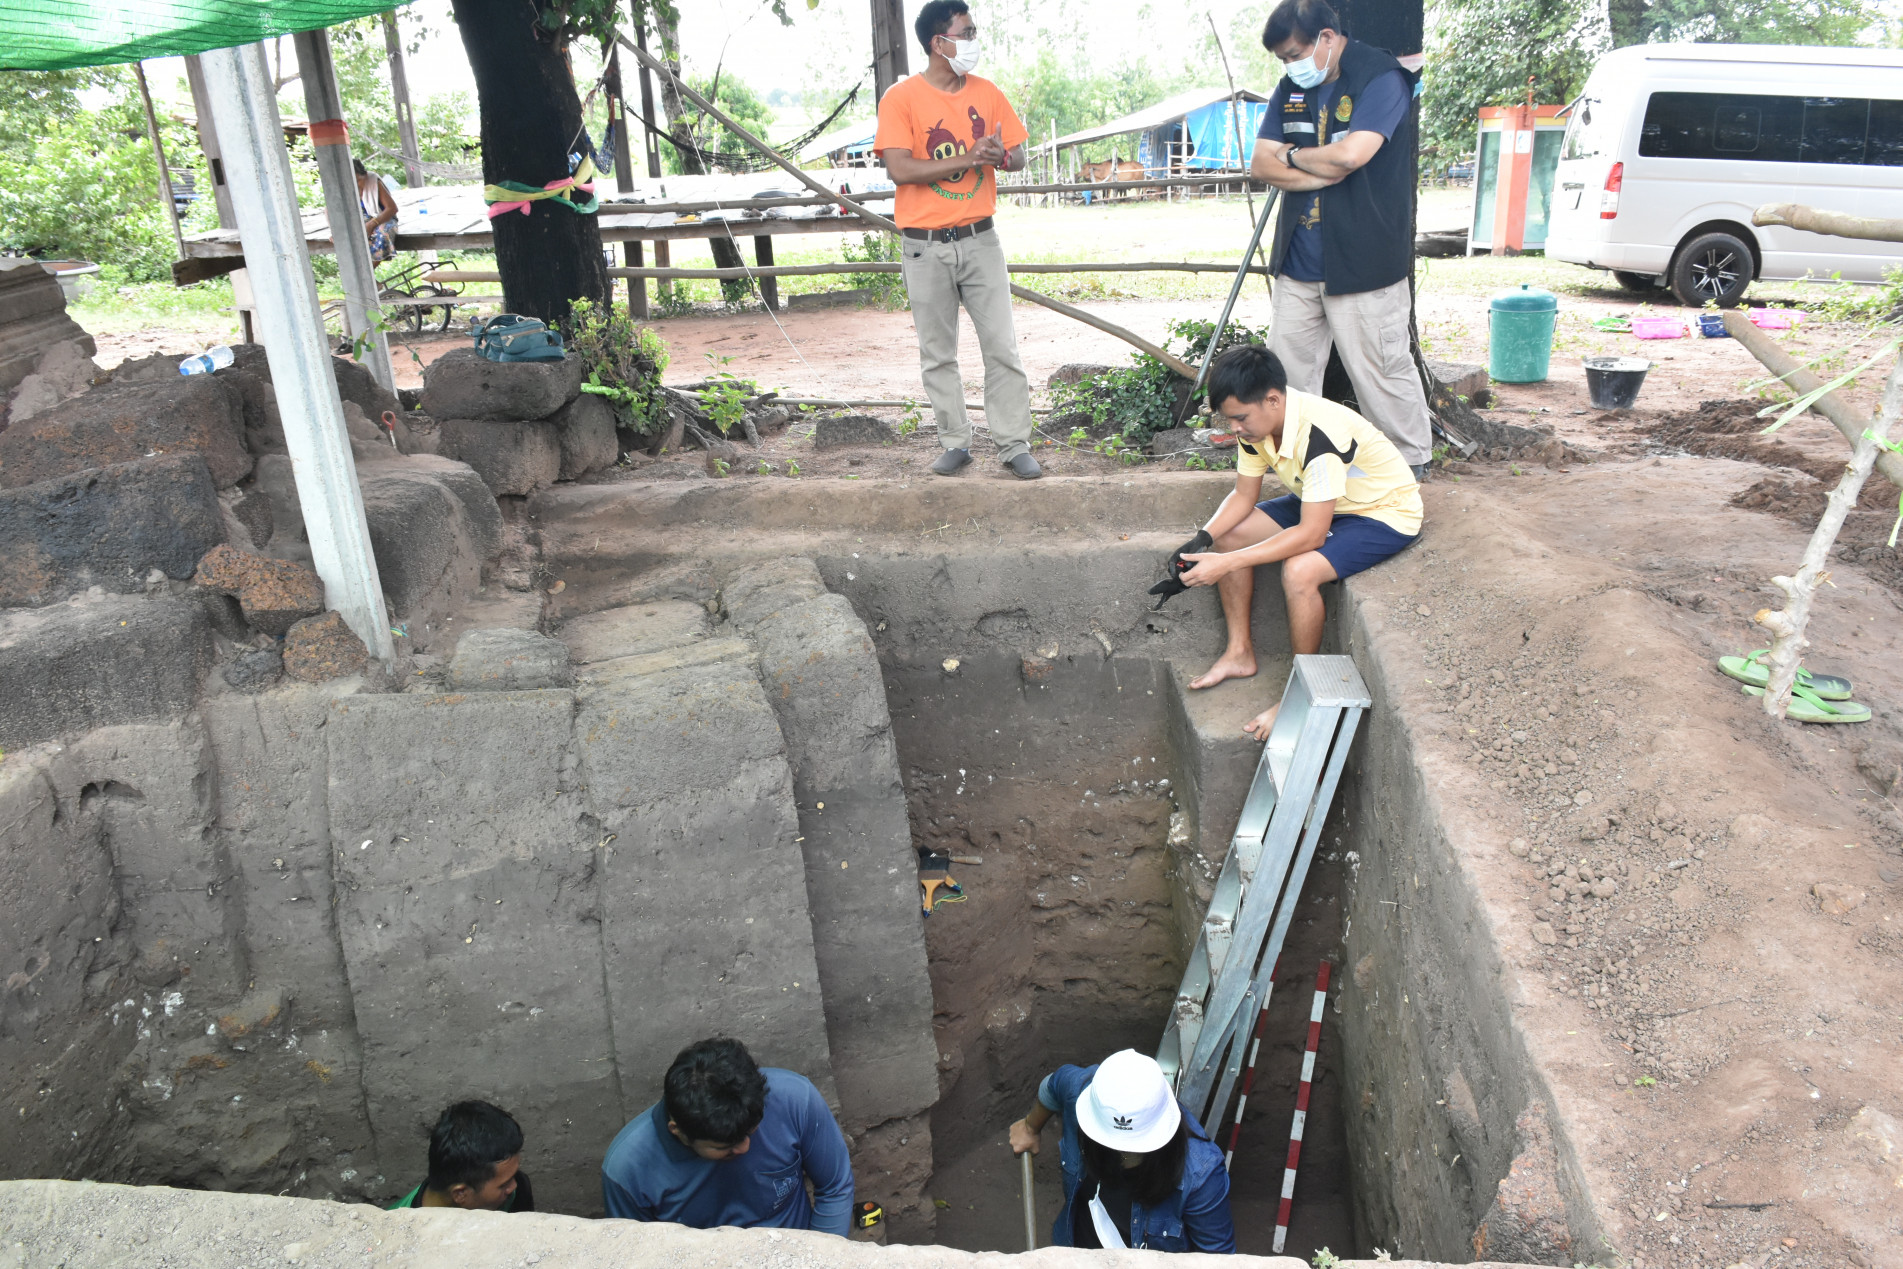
<point x="363" y="316"/>
<point x="264" y="202"/>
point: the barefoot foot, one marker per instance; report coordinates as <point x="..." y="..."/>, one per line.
<point x="1259" y="726"/>
<point x="1230" y="666"/>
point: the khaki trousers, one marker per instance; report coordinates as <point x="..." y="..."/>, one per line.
<point x="939" y="276"/>
<point x="1370" y="329"/>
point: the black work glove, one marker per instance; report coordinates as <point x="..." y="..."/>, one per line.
<point x="1172" y="583"/>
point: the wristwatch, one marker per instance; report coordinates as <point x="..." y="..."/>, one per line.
<point x="1288" y="157"/>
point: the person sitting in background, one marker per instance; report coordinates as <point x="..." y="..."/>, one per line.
<point x="731" y="1144"/>
<point x="379" y="212"/>
<point x="475" y="1162"/>
<point x="1139" y="1171"/>
<point x="1351" y="503"/>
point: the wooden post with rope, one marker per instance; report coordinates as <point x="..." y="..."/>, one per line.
<point x="877" y="221"/>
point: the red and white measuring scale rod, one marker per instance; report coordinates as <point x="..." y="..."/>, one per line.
<point x="1301" y="1107"/>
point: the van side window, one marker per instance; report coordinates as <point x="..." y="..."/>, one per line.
<point x="1722" y="126"/>
<point x="1834" y="128"/>
<point x="1767" y="129"/>
<point x="1884" y="147"/>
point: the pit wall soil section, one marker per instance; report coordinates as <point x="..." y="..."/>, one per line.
<point x="1057" y="776"/>
<point x="1457" y="1142"/>
<point x="263" y="944"/>
<point x="77" y="1225"/>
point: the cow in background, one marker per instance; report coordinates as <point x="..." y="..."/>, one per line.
<point x="1111" y="171"/>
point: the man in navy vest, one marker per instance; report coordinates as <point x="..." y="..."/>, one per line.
<point x="1338" y="140"/>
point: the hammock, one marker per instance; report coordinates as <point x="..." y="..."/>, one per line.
<point x="746" y="160"/>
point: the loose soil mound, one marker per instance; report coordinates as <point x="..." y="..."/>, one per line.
<point x="1734" y="429"/>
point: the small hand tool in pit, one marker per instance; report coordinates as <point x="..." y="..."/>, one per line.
<point x="934" y="872"/>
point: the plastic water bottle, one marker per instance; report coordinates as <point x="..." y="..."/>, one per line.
<point x="206" y="362"/>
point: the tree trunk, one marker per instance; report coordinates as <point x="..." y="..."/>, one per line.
<point x="1789" y="624"/>
<point x="530" y="113"/>
<point x="726" y="253"/>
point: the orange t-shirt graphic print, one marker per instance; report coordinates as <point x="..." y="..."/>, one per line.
<point x="936" y="125"/>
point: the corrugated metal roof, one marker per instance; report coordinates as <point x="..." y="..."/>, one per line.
<point x="1166" y="111"/>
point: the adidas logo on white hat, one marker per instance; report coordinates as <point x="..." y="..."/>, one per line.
<point x="1129" y="1104"/>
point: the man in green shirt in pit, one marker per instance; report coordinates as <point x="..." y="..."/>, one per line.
<point x="1352" y="502"/>
<point x="475" y="1163"/>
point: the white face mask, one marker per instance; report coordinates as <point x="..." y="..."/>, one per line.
<point x="1306" y="73"/>
<point x="965" y="60"/>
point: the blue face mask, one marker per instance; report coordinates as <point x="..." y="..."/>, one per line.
<point x="1306" y="73"/>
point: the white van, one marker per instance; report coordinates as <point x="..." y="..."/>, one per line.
<point x="1673" y="146"/>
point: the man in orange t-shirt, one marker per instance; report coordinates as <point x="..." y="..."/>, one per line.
<point x="945" y="134"/>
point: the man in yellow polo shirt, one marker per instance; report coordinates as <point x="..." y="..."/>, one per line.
<point x="1352" y="502"/>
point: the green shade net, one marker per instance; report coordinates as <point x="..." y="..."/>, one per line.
<point x="61" y="34"/>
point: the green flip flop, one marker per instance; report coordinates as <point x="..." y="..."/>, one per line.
<point x="1808" y="707"/>
<point x="1752" y="671"/>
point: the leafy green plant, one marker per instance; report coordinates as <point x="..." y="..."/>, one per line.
<point x="672" y="300"/>
<point x="1848" y="302"/>
<point x="1325" y="1259"/>
<point x="792" y="468"/>
<point x="1645" y="1081"/>
<point x="888" y="289"/>
<point x="1139" y="400"/>
<point x="624" y="364"/>
<point x="722" y="467"/>
<point x="910" y="419"/>
<point x="1196" y="462"/>
<point x="726" y="395"/>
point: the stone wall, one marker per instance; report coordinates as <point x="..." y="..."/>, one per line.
<point x="80" y="1226"/>
<point x="267" y="936"/>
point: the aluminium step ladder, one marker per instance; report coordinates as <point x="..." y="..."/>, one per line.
<point x="1227" y="980"/>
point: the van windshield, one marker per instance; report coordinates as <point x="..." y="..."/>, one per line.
<point x="1588" y="132"/>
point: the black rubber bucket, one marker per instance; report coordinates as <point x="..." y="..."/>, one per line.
<point x="1613" y="382"/>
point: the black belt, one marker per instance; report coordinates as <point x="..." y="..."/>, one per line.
<point x="952" y="234"/>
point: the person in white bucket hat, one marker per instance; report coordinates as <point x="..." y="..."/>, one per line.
<point x="1139" y="1171"/>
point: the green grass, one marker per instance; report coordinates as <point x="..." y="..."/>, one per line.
<point x="204" y="309"/>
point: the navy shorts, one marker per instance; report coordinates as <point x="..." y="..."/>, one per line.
<point x="1354" y="542"/>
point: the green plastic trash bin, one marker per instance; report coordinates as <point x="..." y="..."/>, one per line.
<point x="1520" y="334"/>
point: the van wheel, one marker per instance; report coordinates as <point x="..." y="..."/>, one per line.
<point x="1713" y="267"/>
<point x="1636" y="281"/>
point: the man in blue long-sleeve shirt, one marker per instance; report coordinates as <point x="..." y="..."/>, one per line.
<point x="731" y="1144"/>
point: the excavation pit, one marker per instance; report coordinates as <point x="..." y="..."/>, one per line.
<point x="259" y="944"/>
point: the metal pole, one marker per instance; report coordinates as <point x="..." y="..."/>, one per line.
<point x="362" y="315"/>
<point x="1030" y="1206"/>
<point x="400" y="94"/>
<point x="158" y="152"/>
<point x="244" y="105"/>
<point x="1235" y="289"/>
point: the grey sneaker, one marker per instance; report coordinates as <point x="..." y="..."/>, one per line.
<point x="950" y="462"/>
<point x="1420" y="472"/>
<point x="1024" y="467"/>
